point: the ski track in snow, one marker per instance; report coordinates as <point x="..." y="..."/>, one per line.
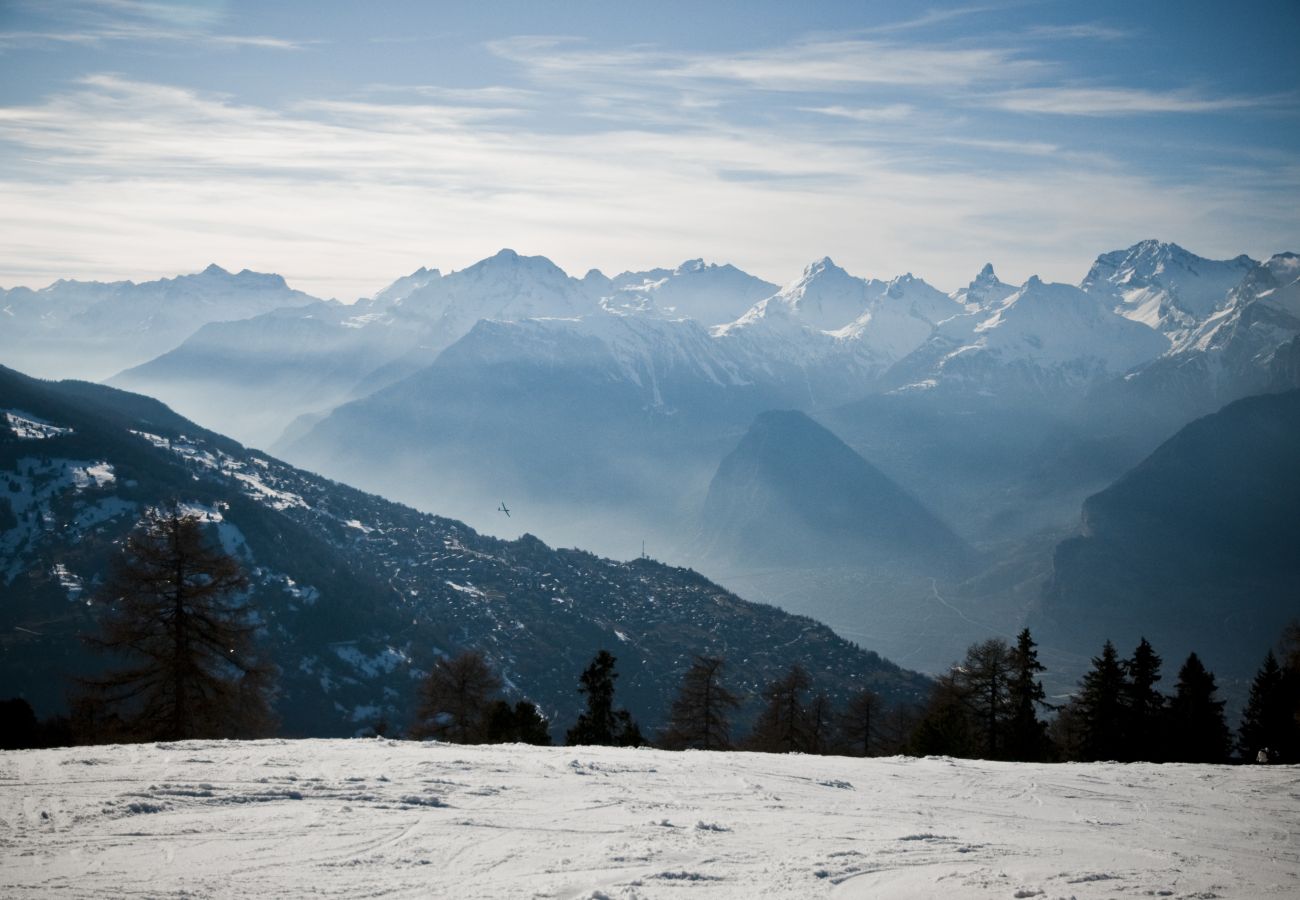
<point x="393" y="818"/>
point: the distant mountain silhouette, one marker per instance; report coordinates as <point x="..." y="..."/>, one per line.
<point x="793" y="493"/>
<point x="1196" y="547"/>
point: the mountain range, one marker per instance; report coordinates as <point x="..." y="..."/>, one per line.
<point x="357" y="595"/>
<point x="612" y="411"/>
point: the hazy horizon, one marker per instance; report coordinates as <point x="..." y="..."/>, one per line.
<point x="341" y="150"/>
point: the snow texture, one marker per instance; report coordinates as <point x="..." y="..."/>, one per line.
<point x="27" y="427"/>
<point x="392" y="818"/>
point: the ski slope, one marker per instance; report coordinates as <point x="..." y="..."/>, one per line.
<point x="359" y="818"/>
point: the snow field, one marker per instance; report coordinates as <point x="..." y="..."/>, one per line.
<point x="354" y="818"/>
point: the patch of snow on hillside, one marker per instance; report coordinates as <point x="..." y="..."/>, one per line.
<point x="26" y="426"/>
<point x="259" y="490"/>
<point x="466" y="589"/>
<point x="93" y="475"/>
<point x="305" y="592"/>
<point x="371" y="665"/>
<point x="101" y="511"/>
<point x="73" y="584"/>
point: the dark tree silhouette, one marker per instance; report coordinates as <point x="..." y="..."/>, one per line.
<point x="521" y="724"/>
<point x="455" y="698"/>
<point x="821" y="724"/>
<point x="171" y="608"/>
<point x="1026" y="738"/>
<point x="860" y="723"/>
<point x="1198" y="732"/>
<point x="1144" y="706"/>
<point x="601" y="723"/>
<point x="1268" y="723"/>
<point x="1100" y="707"/>
<point x="700" y="718"/>
<point x="782" y="726"/>
<point x="985" y="675"/>
<point x="17" y="724"/>
<point x="945" y="727"/>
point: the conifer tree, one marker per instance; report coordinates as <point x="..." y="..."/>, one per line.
<point x="172" y="607"/>
<point x="1100" y="707"/>
<point x="1144" y="706"/>
<point x="700" y="718"/>
<point x="1026" y="733"/>
<point x="860" y="723"/>
<point x="1268" y="723"/>
<point x="601" y="723"/>
<point x="455" y="699"/>
<point x="521" y="724"/>
<point x="782" y="726"/>
<point x="986" y="676"/>
<point x="1198" y="731"/>
<point x="945" y="725"/>
<point x="821" y="721"/>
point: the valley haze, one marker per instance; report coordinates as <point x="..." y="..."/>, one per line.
<point x="864" y="435"/>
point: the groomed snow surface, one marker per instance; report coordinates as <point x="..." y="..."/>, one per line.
<point x="393" y="818"/>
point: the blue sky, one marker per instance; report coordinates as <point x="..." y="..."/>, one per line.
<point x="345" y="144"/>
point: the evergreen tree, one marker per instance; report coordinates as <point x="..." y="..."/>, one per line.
<point x="1100" y="707"/>
<point x="700" y="718"/>
<point x="1198" y="731"/>
<point x="17" y="724"/>
<point x="171" y="607"/>
<point x="1268" y="722"/>
<point x="821" y="721"/>
<point x="945" y="727"/>
<point x="1026" y="733"/>
<point x="455" y="698"/>
<point x="601" y="724"/>
<point x="521" y="724"/>
<point x="1144" y="706"/>
<point x="782" y="726"/>
<point x="860" y="723"/>
<point x="985" y="675"/>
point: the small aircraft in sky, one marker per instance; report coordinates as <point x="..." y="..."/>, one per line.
<point x="503" y="508"/>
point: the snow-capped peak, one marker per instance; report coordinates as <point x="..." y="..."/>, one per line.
<point x="406" y="285"/>
<point x="985" y="291"/>
<point x="1164" y="286"/>
<point x="824" y="297"/>
<point x="707" y="292"/>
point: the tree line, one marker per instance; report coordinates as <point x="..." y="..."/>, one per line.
<point x="992" y="705"/>
<point x="172" y="609"/>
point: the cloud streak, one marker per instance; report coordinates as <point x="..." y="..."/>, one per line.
<point x="137" y="179"/>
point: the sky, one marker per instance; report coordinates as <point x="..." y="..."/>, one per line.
<point x="343" y="144"/>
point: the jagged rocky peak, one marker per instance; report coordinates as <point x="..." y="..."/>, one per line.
<point x="984" y="292"/>
<point x="1163" y="285"/>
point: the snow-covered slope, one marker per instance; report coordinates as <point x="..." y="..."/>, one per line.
<point x="836" y="332"/>
<point x="404" y="819"/>
<point x="1164" y="286"/>
<point x="1231" y="355"/>
<point x="706" y="292"/>
<point x="254" y="377"/>
<point x="91" y="329"/>
<point x="1042" y="339"/>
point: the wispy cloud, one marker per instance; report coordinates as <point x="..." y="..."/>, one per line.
<point x="92" y="22"/>
<point x="144" y="179"/>
<point x="894" y="112"/>
<point x="1088" y="31"/>
<point x="1077" y="101"/>
<point x="805" y="66"/>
